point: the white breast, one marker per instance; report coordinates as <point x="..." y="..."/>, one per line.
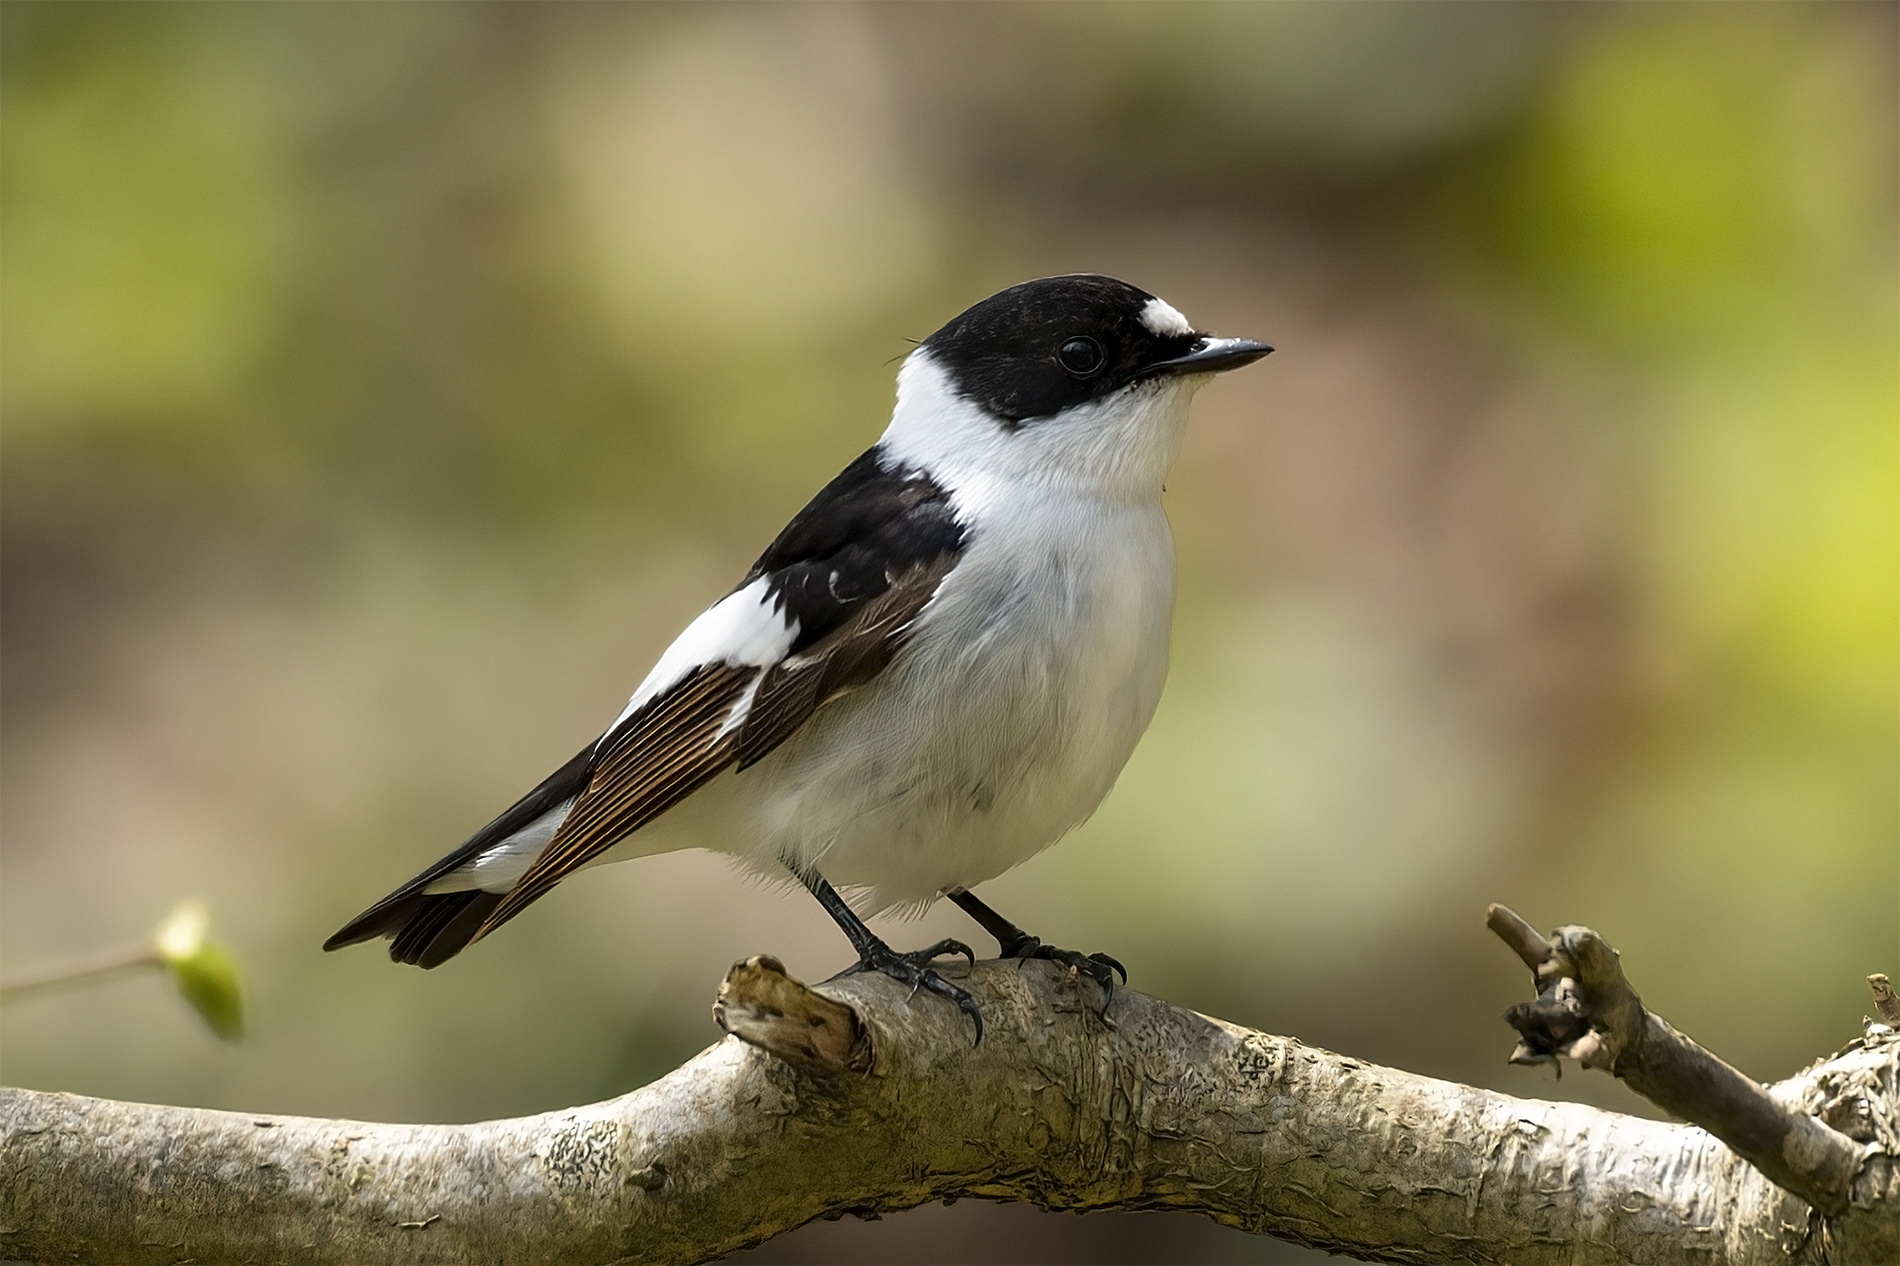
<point x="1021" y="695"/>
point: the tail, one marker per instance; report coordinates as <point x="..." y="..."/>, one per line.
<point x="428" y="928"/>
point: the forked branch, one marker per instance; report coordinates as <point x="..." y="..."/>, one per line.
<point x="1586" y="1010"/>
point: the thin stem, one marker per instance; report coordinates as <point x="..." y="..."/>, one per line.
<point x="80" y="967"/>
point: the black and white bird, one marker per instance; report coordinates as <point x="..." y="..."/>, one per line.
<point x="937" y="669"/>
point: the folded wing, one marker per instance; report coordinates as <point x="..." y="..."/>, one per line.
<point x="823" y="611"/>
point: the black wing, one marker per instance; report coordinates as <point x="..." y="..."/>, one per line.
<point x="869" y="526"/>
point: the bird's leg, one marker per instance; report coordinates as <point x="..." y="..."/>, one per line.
<point x="1018" y="944"/>
<point x="912" y="969"/>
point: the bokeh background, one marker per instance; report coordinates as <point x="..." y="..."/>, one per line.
<point x="384" y="385"/>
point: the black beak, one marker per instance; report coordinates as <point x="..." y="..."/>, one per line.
<point x="1211" y="356"/>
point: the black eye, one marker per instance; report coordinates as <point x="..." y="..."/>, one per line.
<point x="1080" y="356"/>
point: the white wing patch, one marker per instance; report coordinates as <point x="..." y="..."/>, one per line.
<point x="1164" y="321"/>
<point x="740" y="629"/>
<point x="496" y="869"/>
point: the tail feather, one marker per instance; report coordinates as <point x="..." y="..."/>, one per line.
<point x="429" y="928"/>
<point x="442" y="927"/>
<point x="426" y="929"/>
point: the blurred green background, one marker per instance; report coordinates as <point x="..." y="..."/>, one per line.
<point x="383" y="386"/>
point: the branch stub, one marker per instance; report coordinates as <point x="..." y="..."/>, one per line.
<point x="762" y="1004"/>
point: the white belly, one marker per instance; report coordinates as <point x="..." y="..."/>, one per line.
<point x="1005" y="721"/>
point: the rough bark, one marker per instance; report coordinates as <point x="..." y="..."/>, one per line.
<point x="875" y="1102"/>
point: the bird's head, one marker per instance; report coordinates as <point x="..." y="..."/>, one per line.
<point x="1076" y="377"/>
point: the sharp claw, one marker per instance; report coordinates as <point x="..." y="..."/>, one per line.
<point x="1101" y="968"/>
<point x="914" y="969"/>
<point x="928" y="979"/>
<point x="924" y="957"/>
<point x="953" y="947"/>
<point x="968" y="1006"/>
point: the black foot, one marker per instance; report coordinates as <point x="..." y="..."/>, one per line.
<point x="1099" y="968"/>
<point x="914" y="969"/>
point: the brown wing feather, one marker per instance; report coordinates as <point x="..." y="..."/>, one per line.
<point x="851" y="655"/>
<point x="672" y="749"/>
<point x="680" y="743"/>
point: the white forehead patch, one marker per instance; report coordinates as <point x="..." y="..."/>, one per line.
<point x="1163" y="321"/>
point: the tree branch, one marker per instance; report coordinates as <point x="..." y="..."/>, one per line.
<point x="1586" y="1009"/>
<point x="859" y="1100"/>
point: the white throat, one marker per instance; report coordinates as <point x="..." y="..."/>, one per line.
<point x="1119" y="448"/>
